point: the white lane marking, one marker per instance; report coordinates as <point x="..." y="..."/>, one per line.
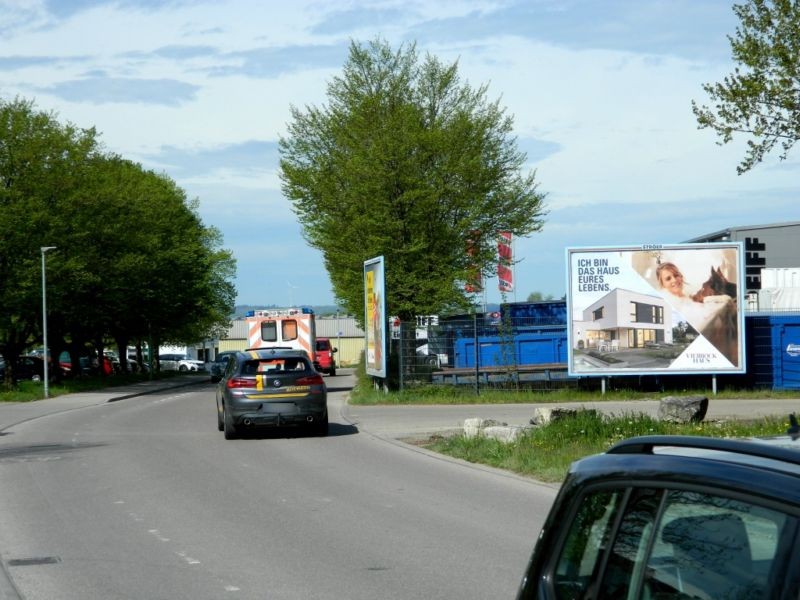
<point x="158" y="535"/>
<point x="189" y="560"/>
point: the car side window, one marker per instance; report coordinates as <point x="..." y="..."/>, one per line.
<point x="585" y="543"/>
<point x="676" y="544"/>
<point x="714" y="547"/>
<point x="230" y="366"/>
<point x="629" y="552"/>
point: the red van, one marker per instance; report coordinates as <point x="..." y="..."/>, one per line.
<point x="325" y="353"/>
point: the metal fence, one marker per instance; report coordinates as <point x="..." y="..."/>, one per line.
<point x="480" y="352"/>
<point x="484" y="352"/>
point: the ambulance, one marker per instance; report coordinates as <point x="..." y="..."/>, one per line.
<point x="283" y="328"/>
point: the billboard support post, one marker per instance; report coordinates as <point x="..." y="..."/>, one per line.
<point x="602" y="386"/>
<point x="400" y="353"/>
<point x="477" y="353"/>
<point x="714" y="384"/>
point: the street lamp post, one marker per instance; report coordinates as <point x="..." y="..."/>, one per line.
<point x="44" y="320"/>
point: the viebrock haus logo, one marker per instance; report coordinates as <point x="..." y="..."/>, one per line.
<point x="793" y="350"/>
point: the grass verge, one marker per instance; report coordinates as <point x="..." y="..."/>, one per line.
<point x="546" y="452"/>
<point x="364" y="394"/>
<point x="28" y="391"/>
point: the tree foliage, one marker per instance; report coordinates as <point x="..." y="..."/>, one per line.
<point x="407" y="162"/>
<point x="133" y="259"/>
<point x="539" y="297"/>
<point x="762" y="96"/>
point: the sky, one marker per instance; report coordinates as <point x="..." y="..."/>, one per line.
<point x="600" y="93"/>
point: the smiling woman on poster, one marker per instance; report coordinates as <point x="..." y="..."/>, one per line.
<point x="709" y="307"/>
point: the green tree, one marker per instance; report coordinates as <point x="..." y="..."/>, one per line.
<point x="42" y="164"/>
<point x="408" y="162"/>
<point x="762" y="96"/>
<point x="166" y="277"/>
<point x="539" y="297"/>
<point x="134" y="260"/>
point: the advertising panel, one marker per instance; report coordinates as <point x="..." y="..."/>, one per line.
<point x="375" y="317"/>
<point x="656" y="309"/>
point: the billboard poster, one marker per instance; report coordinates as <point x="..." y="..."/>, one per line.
<point x="656" y="309"/>
<point x="375" y="317"/>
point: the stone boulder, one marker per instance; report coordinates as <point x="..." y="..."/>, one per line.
<point x="475" y="427"/>
<point x="683" y="409"/>
<point x="544" y="415"/>
<point x="504" y="433"/>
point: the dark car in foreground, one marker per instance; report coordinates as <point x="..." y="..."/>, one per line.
<point x="674" y="517"/>
<point x="271" y="388"/>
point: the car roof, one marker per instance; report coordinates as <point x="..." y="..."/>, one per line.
<point x="274" y="353"/>
<point x="774" y="453"/>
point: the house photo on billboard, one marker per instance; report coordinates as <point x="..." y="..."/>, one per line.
<point x="623" y="320"/>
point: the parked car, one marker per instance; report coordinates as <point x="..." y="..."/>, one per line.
<point x="674" y="517"/>
<point x="65" y="363"/>
<point x="29" y="367"/>
<point x="180" y="362"/>
<point x="271" y="388"/>
<point x="325" y="360"/>
<point x="219" y="364"/>
<point x="88" y="365"/>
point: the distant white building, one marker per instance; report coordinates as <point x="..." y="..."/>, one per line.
<point x="780" y="291"/>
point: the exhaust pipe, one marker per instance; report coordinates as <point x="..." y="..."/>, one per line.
<point x="310" y="418"/>
<point x="247" y="422"/>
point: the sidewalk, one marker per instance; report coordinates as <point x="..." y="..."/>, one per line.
<point x="13" y="413"/>
<point x="413" y="421"/>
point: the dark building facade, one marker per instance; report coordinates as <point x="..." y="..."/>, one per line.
<point x="773" y="246"/>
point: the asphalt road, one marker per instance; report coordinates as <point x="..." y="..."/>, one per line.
<point x="143" y="498"/>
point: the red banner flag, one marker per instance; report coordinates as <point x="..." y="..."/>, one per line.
<point x="504" y="274"/>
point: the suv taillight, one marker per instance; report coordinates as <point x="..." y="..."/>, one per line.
<point x="239" y="382"/>
<point x="310" y="380"/>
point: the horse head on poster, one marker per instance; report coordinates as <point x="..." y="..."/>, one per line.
<point x="716" y="285"/>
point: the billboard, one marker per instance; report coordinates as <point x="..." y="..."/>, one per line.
<point x="375" y="317"/>
<point x="656" y="309"/>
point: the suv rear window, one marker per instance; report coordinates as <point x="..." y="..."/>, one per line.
<point x="323" y="345"/>
<point x="275" y="365"/>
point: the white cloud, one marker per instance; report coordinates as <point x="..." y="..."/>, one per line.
<point x="601" y="97"/>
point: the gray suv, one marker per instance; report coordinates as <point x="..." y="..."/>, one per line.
<point x="271" y="388"/>
<point x="673" y="517"/>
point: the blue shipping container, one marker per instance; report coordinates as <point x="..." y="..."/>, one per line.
<point x="773" y="350"/>
<point x="786" y="352"/>
<point x="545" y="346"/>
<point x="548" y="312"/>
